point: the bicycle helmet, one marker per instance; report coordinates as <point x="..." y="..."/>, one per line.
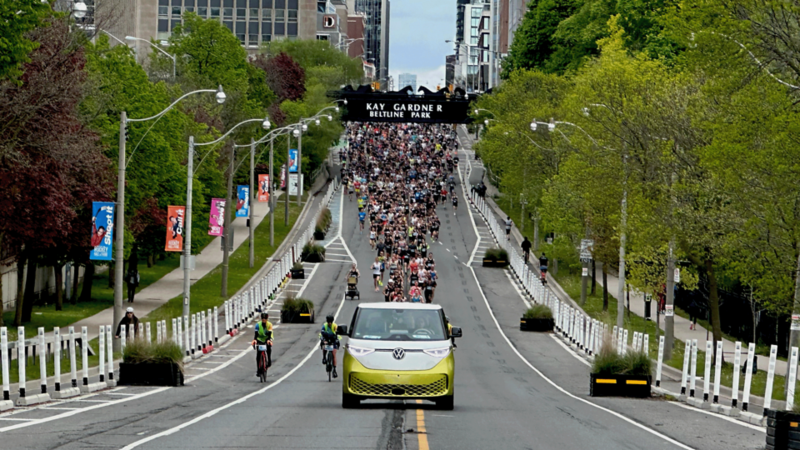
<point x="329" y="318"/>
<point x="264" y="315"/>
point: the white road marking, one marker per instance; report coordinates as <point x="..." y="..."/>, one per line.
<point x="216" y="411"/>
<point x="58" y="407"/>
<point x="726" y="418"/>
<point x="11" y="418"/>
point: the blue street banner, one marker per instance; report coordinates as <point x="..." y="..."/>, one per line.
<point x="293" y="160"/>
<point x="243" y="201"/>
<point x="102" y="231"/>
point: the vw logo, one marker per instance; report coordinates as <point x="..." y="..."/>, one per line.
<point x="398" y="353"/>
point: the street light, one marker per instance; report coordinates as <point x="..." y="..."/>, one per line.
<point x="172" y="57"/>
<point x="119" y="257"/>
<point x="79" y="9"/>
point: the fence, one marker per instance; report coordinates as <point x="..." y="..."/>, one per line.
<point x="196" y="334"/>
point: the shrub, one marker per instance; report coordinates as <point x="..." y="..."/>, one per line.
<point x="297" y="265"/>
<point x="298" y="305"/>
<point x="538" y="312"/>
<point x="496" y="254"/>
<point x="324" y="221"/>
<point x="313" y="253"/>
<point x="141" y="351"/>
<point x="609" y="362"/>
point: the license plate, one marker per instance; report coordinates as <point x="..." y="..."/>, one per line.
<point x="262" y="348"/>
<point x="329" y="348"/>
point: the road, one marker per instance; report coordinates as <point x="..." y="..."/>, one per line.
<point x="513" y="390"/>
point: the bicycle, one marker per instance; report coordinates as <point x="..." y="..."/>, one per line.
<point x="328" y="349"/>
<point x="263" y="367"/>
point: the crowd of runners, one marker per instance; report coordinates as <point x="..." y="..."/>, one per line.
<point x="399" y="174"/>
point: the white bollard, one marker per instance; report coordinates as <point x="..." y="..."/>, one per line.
<point x="85" y="354"/>
<point x="21" y="360"/>
<point x="42" y="361"/>
<point x="773" y="354"/>
<point x="210" y="335"/>
<point x="148" y="333"/>
<point x="227" y="314"/>
<point x="123" y="336"/>
<point x="5" y="403"/>
<point x="131" y="333"/>
<point x="693" y="379"/>
<point x="193" y="332"/>
<point x="748" y="375"/>
<point x="56" y="358"/>
<point x="737" y="360"/>
<point x="203" y="330"/>
<point x="660" y="360"/>
<point x="792" y="379"/>
<point x="646" y="344"/>
<point x="635" y="341"/>
<point x="707" y="370"/>
<point x="188" y="338"/>
<point x="101" y="344"/>
<point x="614" y="340"/>
<point x="175" y="332"/>
<point x="110" y="355"/>
<point x="216" y="325"/>
<point x="141" y="334"/>
<point x="158" y="332"/>
<point x="718" y="372"/>
<point x="624" y="342"/>
<point x="592" y="334"/>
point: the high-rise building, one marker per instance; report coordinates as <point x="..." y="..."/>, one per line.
<point x="407" y="79"/>
<point x="332" y="22"/>
<point x="376" y="35"/>
<point x="450" y="70"/>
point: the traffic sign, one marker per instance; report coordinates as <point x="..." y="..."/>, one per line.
<point x="587" y="245"/>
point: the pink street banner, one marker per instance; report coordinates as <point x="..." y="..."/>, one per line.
<point x="216" y="220"/>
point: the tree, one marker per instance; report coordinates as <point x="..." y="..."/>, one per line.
<point x="18" y="17"/>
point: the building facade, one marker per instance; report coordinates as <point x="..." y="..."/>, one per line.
<point x="376" y="35"/>
<point x="407" y="79"/>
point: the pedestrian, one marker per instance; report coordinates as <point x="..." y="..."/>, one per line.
<point x="132" y="280"/>
<point x="526" y="248"/>
<point x="693" y="313"/>
<point x="508" y="223"/>
<point x="129" y="319"/>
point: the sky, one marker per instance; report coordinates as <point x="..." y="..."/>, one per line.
<point x="418" y="29"/>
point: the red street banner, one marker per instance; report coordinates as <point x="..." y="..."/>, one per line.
<point x="175" y="218"/>
<point x="263" y="187"/>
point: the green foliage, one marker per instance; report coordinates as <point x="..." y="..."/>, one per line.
<point x="18" y="18"/>
<point x="313" y="252"/>
<point x="323" y="220"/>
<point x="538" y="312"/>
<point x="297" y="265"/>
<point x="141" y="351"/>
<point x="297" y="305"/>
<point x="496" y="254"/>
<point x="609" y="362"/>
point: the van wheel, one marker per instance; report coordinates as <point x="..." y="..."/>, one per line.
<point x="350" y="401"/>
<point x="445" y="403"/>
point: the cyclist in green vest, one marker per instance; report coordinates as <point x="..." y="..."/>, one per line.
<point x="263" y="336"/>
<point x="328" y="334"/>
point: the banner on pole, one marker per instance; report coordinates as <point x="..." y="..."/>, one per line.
<point x="283" y="176"/>
<point x="102" y="231"/>
<point x="175" y="221"/>
<point x="243" y="201"/>
<point x="293" y="160"/>
<point x="293" y="184"/>
<point x="263" y="187"/>
<point x="216" y="219"/>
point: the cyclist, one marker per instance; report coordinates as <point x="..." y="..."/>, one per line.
<point x="508" y="223"/>
<point x="526" y="248"/>
<point x="328" y="334"/>
<point x="362" y="216"/>
<point x="263" y="336"/>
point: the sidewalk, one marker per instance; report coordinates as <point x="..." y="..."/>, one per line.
<point x="681" y="328"/>
<point x="171" y="285"/>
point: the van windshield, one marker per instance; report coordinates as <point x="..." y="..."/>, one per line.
<point x="399" y="325"/>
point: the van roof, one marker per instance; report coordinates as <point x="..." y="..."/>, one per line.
<point x="400" y="305"/>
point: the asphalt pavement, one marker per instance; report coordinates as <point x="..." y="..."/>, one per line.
<point x="513" y="390"/>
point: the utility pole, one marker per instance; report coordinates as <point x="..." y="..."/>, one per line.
<point x="119" y="234"/>
<point x="669" y="319"/>
<point x="271" y="196"/>
<point x="226" y="241"/>
<point x="299" y="166"/>
<point x="622" y="239"/>
<point x="252" y="202"/>
<point x="286" y="172"/>
<point x="187" y="241"/>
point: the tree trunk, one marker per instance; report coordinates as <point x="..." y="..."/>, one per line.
<point x="30" y="291"/>
<point x="58" y="268"/>
<point x="150" y="260"/>
<point x="605" y="288"/>
<point x="20" y="289"/>
<point x="76" y="270"/>
<point x="594" y="277"/>
<point x="111" y="275"/>
<point x="88" y="280"/>
<point x="713" y="301"/>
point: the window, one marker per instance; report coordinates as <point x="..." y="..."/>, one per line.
<point x="175" y="23"/>
<point x="241" y="3"/>
<point x="291" y="29"/>
<point x="202" y="11"/>
<point x="292" y="4"/>
<point x="476" y="12"/>
<point x="176" y="2"/>
<point x="214" y="12"/>
<point x="241" y="38"/>
<point x="227" y="3"/>
<point x="279" y="16"/>
<point x="280" y="29"/>
<point x="266" y="14"/>
<point x="215" y="3"/>
<point x="266" y="38"/>
<point x="163" y="25"/>
<point x="176" y="11"/>
<point x="241" y="13"/>
<point x="252" y="40"/>
<point x="253" y="3"/>
<point x="321" y="9"/>
<point x="189" y="9"/>
<point x="163" y="11"/>
<point x="227" y="13"/>
<point x="202" y="3"/>
<point x="322" y="37"/>
<point x="473" y="40"/>
<point x="252" y="28"/>
<point x="266" y="4"/>
<point x="280" y="4"/>
<point x="292" y="16"/>
<point x="228" y="25"/>
<point x="254" y="13"/>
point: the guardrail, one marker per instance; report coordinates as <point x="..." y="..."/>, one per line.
<point x="588" y="334"/>
<point x="196" y="334"/>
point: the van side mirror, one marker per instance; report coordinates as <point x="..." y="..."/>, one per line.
<point x="455" y="332"/>
<point x="341" y="330"/>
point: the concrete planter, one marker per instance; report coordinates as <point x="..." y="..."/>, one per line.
<point x="298" y="274"/>
<point x="536" y="324"/>
<point x="297" y="317"/>
<point x="783" y="430"/>
<point x="150" y="374"/>
<point x="637" y="386"/>
<point x="494" y="263"/>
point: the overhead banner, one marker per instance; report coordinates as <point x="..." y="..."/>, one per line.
<point x="263" y="187"/>
<point x="216" y="220"/>
<point x="243" y="201"/>
<point x="175" y="218"/>
<point x="293" y="160"/>
<point x="382" y="108"/>
<point x="102" y="231"/>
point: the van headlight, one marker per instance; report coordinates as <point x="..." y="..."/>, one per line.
<point x="359" y="351"/>
<point x="437" y="352"/>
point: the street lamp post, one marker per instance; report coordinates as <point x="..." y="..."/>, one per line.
<point x="172" y="57"/>
<point x="119" y="255"/>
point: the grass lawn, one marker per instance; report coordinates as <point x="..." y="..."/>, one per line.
<point x="571" y="282"/>
<point x="206" y="291"/>
<point x="102" y="298"/>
